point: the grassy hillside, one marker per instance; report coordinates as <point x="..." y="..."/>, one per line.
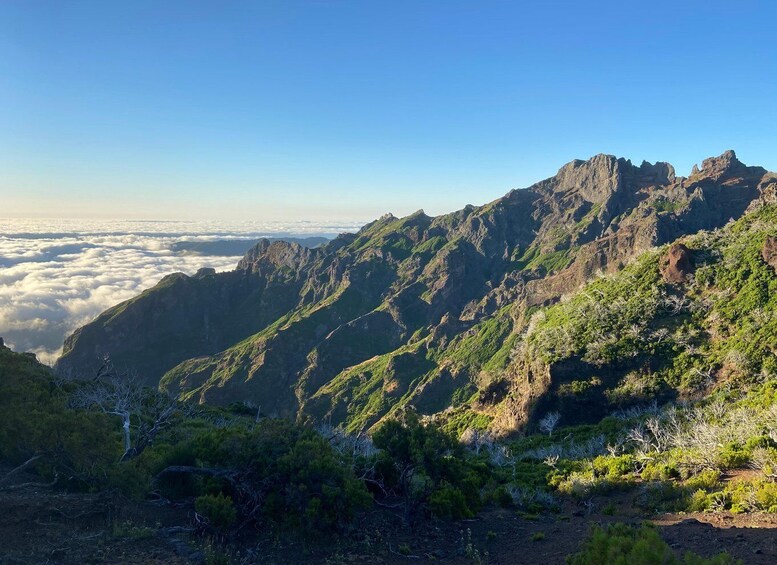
<point x="627" y="338"/>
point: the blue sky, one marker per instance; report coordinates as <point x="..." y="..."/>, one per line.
<point x="345" y="110"/>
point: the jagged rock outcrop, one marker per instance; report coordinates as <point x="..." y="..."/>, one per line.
<point x="677" y="264"/>
<point x="769" y="252"/>
<point x="407" y="311"/>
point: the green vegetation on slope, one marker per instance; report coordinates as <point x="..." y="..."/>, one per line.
<point x="711" y="339"/>
<point x="631" y="335"/>
<point x="37" y="424"/>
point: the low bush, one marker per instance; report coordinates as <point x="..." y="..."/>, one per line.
<point x="707" y="480"/>
<point x="449" y="502"/>
<point x="619" y="544"/>
<point x="750" y="496"/>
<point x="661" y="496"/>
<point x="272" y="470"/>
<point x="218" y="509"/>
<point x="35" y="422"/>
<point x="733" y="455"/>
<point x="429" y="469"/>
<point x="614" y="467"/>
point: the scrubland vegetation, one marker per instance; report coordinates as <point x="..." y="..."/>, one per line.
<point x="241" y="472"/>
<point x="705" y="349"/>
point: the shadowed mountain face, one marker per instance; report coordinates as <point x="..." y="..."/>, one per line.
<point x="415" y="311"/>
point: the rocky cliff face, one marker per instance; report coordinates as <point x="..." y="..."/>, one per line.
<point x="416" y="311"/>
<point x="679" y="321"/>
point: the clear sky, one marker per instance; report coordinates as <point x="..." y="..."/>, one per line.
<point x="348" y="109"/>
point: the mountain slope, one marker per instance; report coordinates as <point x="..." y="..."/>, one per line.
<point x="414" y="311"/>
<point x="680" y="321"/>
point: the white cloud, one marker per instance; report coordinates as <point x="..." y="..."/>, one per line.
<point x="57" y="276"/>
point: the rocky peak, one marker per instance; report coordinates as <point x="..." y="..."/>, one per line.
<point x="205" y="272"/>
<point x="595" y="180"/>
<point x="715" y="168"/>
<point x="267" y="256"/>
<point x="386" y="218"/>
<point x="602" y="176"/>
<point x="660" y="173"/>
<point x="727" y="161"/>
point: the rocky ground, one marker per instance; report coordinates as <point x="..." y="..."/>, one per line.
<point x="42" y="525"/>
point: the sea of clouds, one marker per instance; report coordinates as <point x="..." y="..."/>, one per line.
<point x="56" y="275"/>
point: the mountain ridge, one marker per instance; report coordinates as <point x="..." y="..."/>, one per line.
<point x="380" y="319"/>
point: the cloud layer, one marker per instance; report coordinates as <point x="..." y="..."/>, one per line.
<point x="55" y="277"/>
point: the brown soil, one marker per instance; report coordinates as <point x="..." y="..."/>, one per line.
<point x="42" y="525"/>
<point x="45" y="525"/>
<point x="509" y="538"/>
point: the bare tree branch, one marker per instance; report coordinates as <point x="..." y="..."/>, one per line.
<point x="21" y="467"/>
<point x="124" y="396"/>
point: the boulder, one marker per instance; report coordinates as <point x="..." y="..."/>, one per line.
<point x="769" y="252"/>
<point x="677" y="264"/>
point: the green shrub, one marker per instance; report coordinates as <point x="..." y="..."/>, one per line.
<point x="129" y="530"/>
<point x="80" y="447"/>
<point x="300" y="479"/>
<point x="496" y="494"/>
<point x="660" y="496"/>
<point x="660" y="471"/>
<point x="699" y="501"/>
<point x="733" y="456"/>
<point x="707" y="480"/>
<point x="449" y="502"/>
<point x="429" y="468"/>
<point x="218" y="509"/>
<point x="580" y="387"/>
<point x="766" y="496"/>
<point x="619" y="544"/>
<point x="613" y="467"/>
<point x="749" y="496"/>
